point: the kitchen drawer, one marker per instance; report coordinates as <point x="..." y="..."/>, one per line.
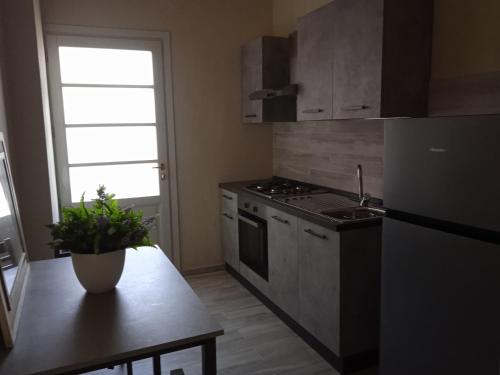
<point x="229" y="200"/>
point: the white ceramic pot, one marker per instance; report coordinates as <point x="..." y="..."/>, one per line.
<point x="99" y="273"/>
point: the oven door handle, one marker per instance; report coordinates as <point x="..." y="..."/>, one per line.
<point x="248" y="221"/>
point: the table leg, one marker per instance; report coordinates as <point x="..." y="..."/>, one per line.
<point x="156" y="365"/>
<point x="130" y="371"/>
<point x="209" y="357"/>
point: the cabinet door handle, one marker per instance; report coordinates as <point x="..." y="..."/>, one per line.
<point x="354" y="107"/>
<point x="277" y="218"/>
<point x="227" y="197"/>
<point x="312" y="233"/>
<point x="311" y="111"/>
<point x="228" y="216"/>
<point x="250" y="116"/>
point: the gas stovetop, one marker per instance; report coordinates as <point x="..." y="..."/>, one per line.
<point x="278" y="187"/>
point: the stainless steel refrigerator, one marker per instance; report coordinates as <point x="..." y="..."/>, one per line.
<point x="440" y="308"/>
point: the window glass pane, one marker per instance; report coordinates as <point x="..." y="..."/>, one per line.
<point x="111" y="144"/>
<point x="97" y="105"/>
<point x="126" y="181"/>
<point x="105" y="66"/>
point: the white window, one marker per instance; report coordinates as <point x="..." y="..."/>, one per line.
<point x="105" y="100"/>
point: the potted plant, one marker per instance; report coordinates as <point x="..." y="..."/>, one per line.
<point x="97" y="237"/>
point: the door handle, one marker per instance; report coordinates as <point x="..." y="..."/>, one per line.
<point x="277" y="218"/>
<point x="227" y="216"/>
<point x="162" y="167"/>
<point x="248" y="221"/>
<point x="354" y="107"/>
<point x="311" y="111"/>
<point x="312" y="233"/>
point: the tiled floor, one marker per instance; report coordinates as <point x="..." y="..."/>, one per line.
<point x="256" y="342"/>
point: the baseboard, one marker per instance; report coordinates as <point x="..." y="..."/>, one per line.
<point x="344" y="365"/>
<point x="202" y="270"/>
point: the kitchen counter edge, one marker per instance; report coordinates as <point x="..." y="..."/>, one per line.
<point x="238" y="188"/>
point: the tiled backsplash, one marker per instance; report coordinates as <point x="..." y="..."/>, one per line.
<point x="327" y="153"/>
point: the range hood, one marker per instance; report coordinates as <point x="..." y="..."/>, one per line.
<point x="290" y="90"/>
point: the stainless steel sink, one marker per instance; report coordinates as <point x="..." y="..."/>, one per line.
<point x="353" y="213"/>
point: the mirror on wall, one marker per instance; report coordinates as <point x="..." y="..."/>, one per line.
<point x="11" y="248"/>
<point x="13" y="258"/>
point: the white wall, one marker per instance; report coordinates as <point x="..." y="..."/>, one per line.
<point x="26" y="125"/>
<point x="3" y="113"/>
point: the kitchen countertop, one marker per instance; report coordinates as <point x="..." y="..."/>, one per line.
<point x="238" y="188"/>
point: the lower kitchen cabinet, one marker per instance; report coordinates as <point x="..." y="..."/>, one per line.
<point x="339" y="287"/>
<point x="360" y="257"/>
<point x="319" y="283"/>
<point x="283" y="261"/>
<point x="326" y="281"/>
<point x="229" y="226"/>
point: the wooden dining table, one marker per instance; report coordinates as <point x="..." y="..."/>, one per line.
<point x="152" y="311"/>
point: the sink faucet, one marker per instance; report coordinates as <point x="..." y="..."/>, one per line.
<point x="363" y="198"/>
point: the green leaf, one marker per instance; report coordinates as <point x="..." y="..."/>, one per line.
<point x="101" y="228"/>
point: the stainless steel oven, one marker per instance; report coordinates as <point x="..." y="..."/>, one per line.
<point x="252" y="227"/>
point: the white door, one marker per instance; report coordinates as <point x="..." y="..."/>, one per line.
<point x="108" y="110"/>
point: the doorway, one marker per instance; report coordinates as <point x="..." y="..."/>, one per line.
<point x="110" y="96"/>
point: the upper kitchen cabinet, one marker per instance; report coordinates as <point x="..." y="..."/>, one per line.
<point x="379" y="59"/>
<point x="266" y="91"/>
<point x="357" y="66"/>
<point x="314" y="65"/>
<point x="382" y="55"/>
